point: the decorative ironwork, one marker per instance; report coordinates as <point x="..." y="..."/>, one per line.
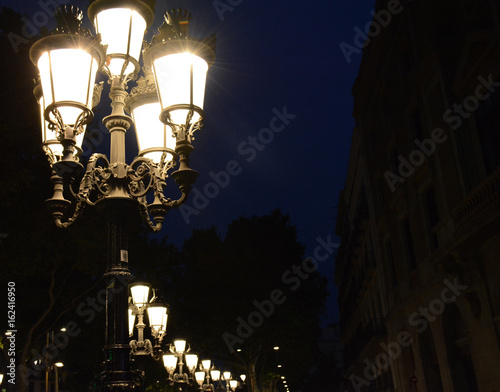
<point x="176" y="27"/>
<point x="96" y="96"/>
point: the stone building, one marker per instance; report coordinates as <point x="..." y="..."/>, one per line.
<point x="418" y="268"/>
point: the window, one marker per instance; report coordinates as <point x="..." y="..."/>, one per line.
<point x="431" y="217"/>
<point x="391" y="267"/>
<point x="409" y="245"/>
<point x="488" y="128"/>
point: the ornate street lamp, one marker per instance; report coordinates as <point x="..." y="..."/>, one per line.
<point x="208" y="375"/>
<point x="172" y="91"/>
<point x="231" y="384"/>
<point x="176" y="64"/>
<point x="157" y="315"/>
<point x="179" y="354"/>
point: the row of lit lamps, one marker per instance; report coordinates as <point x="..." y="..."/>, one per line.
<point x="179" y="353"/>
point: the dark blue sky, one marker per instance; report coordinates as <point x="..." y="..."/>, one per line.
<point x="270" y="55"/>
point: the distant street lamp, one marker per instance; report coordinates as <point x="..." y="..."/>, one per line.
<point x="207" y="375"/>
<point x="50" y="365"/>
<point x="157" y="315"/>
<point x="175" y="69"/>
<point x="1" y="378"/>
<point x="179" y="357"/>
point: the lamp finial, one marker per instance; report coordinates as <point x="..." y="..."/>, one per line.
<point x="69" y="19"/>
<point x="179" y="19"/>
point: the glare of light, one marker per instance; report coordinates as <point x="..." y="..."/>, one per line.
<point x="59" y="364"/>
<point x="63" y="329"/>
<point x="276" y="348"/>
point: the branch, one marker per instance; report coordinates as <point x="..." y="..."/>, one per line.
<point x="71" y="306"/>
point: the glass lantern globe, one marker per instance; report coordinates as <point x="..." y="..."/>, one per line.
<point x="157" y="319"/>
<point x="215" y="374"/>
<point x="170" y="362"/>
<point x="179" y="64"/>
<point x="200" y="377"/>
<point x="206" y="364"/>
<point x="68" y="75"/>
<point x="180" y="346"/>
<point x="68" y="61"/>
<point x="191" y="362"/>
<point x="131" y="322"/>
<point x="121" y="24"/>
<point x="154" y="139"/>
<point x="140" y="294"/>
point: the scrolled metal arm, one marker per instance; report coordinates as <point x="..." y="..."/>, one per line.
<point x="143" y="177"/>
<point x="94" y="179"/>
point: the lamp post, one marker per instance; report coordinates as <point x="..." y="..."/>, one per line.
<point x="157" y="315"/>
<point x="179" y="354"/>
<point x="68" y="60"/>
<point x="208" y="375"/>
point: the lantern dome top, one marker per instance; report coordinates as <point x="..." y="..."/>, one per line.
<point x="69" y="20"/>
<point x="69" y="34"/>
<point x="173" y="37"/>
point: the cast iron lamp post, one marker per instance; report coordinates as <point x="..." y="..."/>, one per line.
<point x="175" y="68"/>
<point x="208" y="375"/>
<point x="179" y="354"/>
<point x="157" y="316"/>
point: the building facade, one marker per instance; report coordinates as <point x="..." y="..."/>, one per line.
<point x="418" y="268"/>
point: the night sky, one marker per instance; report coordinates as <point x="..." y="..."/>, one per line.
<point x="274" y="59"/>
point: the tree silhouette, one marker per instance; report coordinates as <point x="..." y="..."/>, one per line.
<point x="240" y="300"/>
